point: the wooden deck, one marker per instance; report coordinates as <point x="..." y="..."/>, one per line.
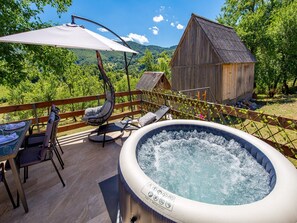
<point x="86" y="164"/>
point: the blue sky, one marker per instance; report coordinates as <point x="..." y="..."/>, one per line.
<point x="149" y="22"/>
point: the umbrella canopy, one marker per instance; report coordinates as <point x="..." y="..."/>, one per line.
<point x="67" y="36"/>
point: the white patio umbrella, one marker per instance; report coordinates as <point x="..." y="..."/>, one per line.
<point x="73" y="36"/>
<point x="67" y="36"/>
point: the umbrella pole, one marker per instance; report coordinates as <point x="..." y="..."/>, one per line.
<point x="73" y="17"/>
<point x="129" y="86"/>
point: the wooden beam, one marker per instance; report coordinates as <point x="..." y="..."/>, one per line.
<point x="24" y="107"/>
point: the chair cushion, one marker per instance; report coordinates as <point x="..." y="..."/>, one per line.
<point x="35" y="139"/>
<point x="105" y="108"/>
<point x="49" y="128"/>
<point x="29" y="156"/>
<point x="92" y="111"/>
<point x="109" y="96"/>
<point x="97" y="112"/>
<point x="147" y="119"/>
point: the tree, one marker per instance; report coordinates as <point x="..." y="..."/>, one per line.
<point x="147" y="61"/>
<point x="283" y="32"/>
<point x="233" y="11"/>
<point x="19" y="16"/>
<point x="163" y="64"/>
<point x="268" y="30"/>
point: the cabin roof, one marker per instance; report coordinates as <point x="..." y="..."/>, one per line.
<point x="149" y="80"/>
<point x="225" y="41"/>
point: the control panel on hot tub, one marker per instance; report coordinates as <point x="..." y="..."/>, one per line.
<point x="158" y="196"/>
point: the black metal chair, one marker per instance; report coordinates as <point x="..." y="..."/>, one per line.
<point x="97" y="116"/>
<point x="36" y="139"/>
<point x="3" y="179"/>
<point x="130" y="124"/>
<point x="57" y="110"/>
<point x="36" y="154"/>
<point x="148" y="118"/>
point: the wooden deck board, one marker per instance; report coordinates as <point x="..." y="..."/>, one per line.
<point x="86" y="164"/>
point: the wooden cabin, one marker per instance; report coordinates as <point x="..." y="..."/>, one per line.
<point x="153" y="80"/>
<point x="211" y="55"/>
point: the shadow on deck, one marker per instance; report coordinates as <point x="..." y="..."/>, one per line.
<point x="86" y="164"/>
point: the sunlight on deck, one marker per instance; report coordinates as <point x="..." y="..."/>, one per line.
<point x="86" y="164"/>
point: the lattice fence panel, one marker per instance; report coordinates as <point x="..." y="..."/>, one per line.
<point x="279" y="132"/>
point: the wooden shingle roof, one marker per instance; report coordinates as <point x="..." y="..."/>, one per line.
<point x="225" y="41"/>
<point x="149" y="80"/>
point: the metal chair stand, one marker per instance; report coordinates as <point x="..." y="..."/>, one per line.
<point x="102" y="135"/>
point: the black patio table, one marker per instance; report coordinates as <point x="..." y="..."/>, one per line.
<point x="9" y="151"/>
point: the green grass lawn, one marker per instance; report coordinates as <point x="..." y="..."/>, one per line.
<point x="280" y="105"/>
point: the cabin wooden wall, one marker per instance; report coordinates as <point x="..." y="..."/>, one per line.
<point x="237" y="82"/>
<point x="195" y="63"/>
<point x="163" y="83"/>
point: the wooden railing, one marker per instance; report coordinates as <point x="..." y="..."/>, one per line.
<point x="279" y="132"/>
<point x="39" y="110"/>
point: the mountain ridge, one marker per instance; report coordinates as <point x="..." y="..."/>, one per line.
<point x="116" y="58"/>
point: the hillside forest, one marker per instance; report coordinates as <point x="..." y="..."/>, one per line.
<point x="38" y="73"/>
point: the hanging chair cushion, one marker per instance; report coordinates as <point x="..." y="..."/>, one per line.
<point x="97" y="112"/>
<point x="93" y="111"/>
<point x="109" y="96"/>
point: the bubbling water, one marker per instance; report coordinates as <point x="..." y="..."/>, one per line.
<point x="203" y="167"/>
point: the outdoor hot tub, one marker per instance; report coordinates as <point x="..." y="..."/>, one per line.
<point x="197" y="171"/>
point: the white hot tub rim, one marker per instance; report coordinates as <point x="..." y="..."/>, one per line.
<point x="283" y="176"/>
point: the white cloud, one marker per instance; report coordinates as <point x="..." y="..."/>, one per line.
<point x="155" y="30"/>
<point x="158" y="18"/>
<point x="179" y="26"/>
<point x="135" y="37"/>
<point x="126" y="38"/>
<point x="172" y="24"/>
<point x="103" y="30"/>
